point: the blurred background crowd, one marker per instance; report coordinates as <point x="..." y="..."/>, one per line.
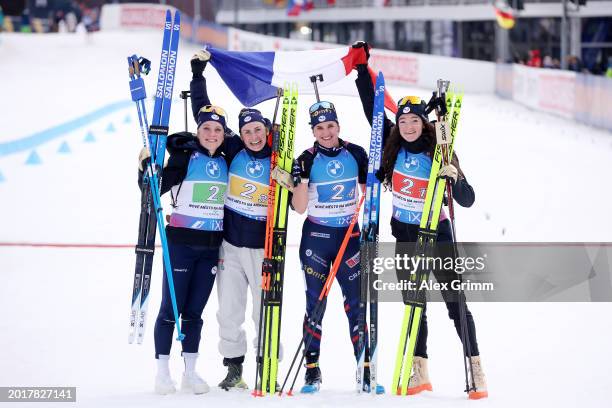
<point x="559" y="34"/>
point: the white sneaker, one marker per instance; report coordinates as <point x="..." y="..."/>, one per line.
<point x="194" y="383"/>
<point x="164" y="384"/>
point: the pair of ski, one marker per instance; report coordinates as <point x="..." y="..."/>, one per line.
<point x="275" y="246"/>
<point x="368" y="250"/>
<point x="154" y="139"/>
<point x="426" y="238"/>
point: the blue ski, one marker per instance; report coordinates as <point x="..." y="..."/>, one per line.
<point x="369" y="247"/>
<point x="154" y="138"/>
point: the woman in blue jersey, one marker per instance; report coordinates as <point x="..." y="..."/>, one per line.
<point x="328" y="178"/>
<point x="245" y="214"/>
<point x="406" y="164"/>
<point x="196" y="175"/>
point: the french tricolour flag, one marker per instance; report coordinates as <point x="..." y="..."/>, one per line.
<point x="253" y="77"/>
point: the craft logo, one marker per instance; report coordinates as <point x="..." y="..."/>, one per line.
<point x="353" y="261"/>
<point x="335" y="169"/>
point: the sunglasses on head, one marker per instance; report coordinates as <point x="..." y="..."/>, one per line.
<point x="413" y="100"/>
<point x="214" y="109"/>
<point x="321" y="105"/>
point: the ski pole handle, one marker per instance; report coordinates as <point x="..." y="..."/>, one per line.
<point x="314" y="79"/>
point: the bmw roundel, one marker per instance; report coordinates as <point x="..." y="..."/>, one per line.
<point x="213" y="169"/>
<point x="411" y="164"/>
<point x="254" y="168"/>
<point x="335" y="168"/>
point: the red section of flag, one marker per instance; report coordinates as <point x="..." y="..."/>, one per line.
<point x="389" y="102"/>
<point x="295" y="10"/>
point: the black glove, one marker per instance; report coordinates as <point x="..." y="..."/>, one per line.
<point x="302" y="166"/>
<point x="365" y="46"/>
<point x="198" y="63"/>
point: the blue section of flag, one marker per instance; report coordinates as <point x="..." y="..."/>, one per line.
<point x="33" y="158"/>
<point x="110" y="127"/>
<point x="1" y="178"/>
<point x="128" y="119"/>
<point x="247" y="74"/>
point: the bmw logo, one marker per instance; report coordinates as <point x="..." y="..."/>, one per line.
<point x="406" y="109"/>
<point x="335" y="168"/>
<point x="308" y="252"/>
<point x="322" y="118"/>
<point x="213" y="270"/>
<point x="254" y="168"/>
<point x="213" y="170"/>
<point x="214" y="116"/>
<point x="247" y="119"/>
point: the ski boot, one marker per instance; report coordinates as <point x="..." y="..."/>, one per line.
<point x="419" y="380"/>
<point x="480" y="381"/>
<point x="312" y="379"/>
<point x="233" y="379"/>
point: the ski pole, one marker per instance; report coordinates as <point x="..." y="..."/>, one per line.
<point x="184" y="96"/>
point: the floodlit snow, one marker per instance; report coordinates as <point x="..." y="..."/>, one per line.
<point x="63" y="311"/>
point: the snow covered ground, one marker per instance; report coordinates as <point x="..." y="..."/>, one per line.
<point x="63" y="311"/>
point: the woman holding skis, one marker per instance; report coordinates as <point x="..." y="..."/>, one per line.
<point x="407" y="157"/>
<point x="245" y="214"/>
<point x="196" y="175"/>
<point x="327" y="179"/>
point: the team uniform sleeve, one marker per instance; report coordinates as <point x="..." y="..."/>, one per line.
<point x="233" y="145"/>
<point x="176" y="171"/>
<point x="199" y="95"/>
<point x="463" y="193"/>
<point x="361" y="157"/>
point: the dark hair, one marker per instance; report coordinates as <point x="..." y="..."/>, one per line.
<point x="392" y="147"/>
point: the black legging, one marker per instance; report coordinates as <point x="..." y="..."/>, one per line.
<point x="450" y="296"/>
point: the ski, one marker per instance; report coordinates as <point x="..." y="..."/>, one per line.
<point x="426" y="238"/>
<point x="274" y="249"/>
<point x="369" y="247"/>
<point x="154" y="138"/>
